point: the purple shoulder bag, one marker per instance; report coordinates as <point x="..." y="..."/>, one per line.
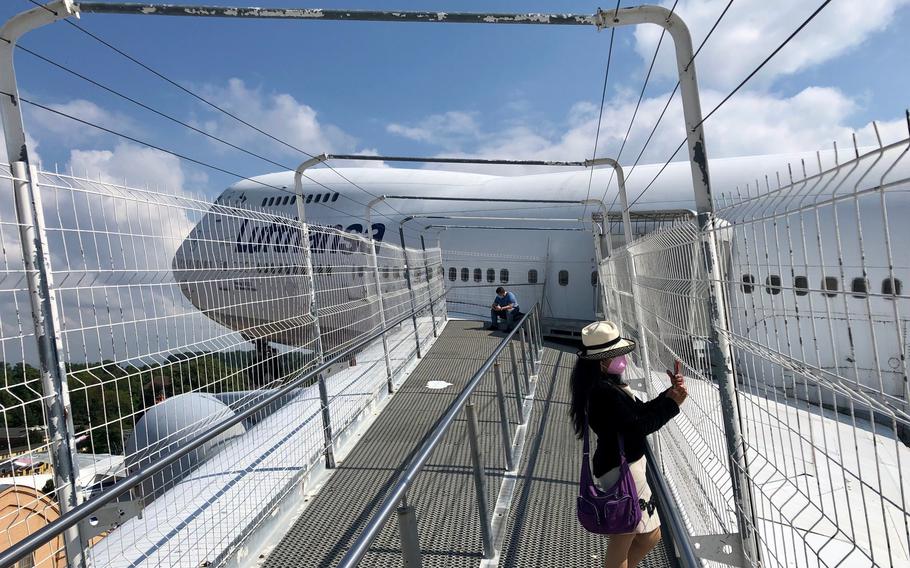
<point x="614" y="511"/>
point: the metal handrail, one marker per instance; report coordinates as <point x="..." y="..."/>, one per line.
<point x="674" y="524"/>
<point x="389" y="505"/>
<point x="82" y="511"/>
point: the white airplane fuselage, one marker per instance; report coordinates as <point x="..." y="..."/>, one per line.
<point x="565" y="260"/>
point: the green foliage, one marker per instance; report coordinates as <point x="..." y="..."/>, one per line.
<point x="107" y="399"/>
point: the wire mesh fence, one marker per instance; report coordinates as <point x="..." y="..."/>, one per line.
<point x="169" y="314"/>
<point x="812" y="275"/>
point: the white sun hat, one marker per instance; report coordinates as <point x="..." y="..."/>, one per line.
<point x="601" y="340"/>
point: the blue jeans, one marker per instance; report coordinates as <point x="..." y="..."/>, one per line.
<point x="509" y="316"/>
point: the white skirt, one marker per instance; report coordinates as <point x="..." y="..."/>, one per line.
<point x="649" y="518"/>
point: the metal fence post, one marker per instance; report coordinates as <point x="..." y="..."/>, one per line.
<point x="535" y="337"/>
<point x="524" y="358"/>
<point x="628" y="236"/>
<point x="410" y="538"/>
<point x="54" y="387"/>
<point x="600" y="225"/>
<point x="639" y="322"/>
<point x="314" y="307"/>
<point x="385" y="342"/>
<point x="407" y="277"/>
<point x="426" y="267"/>
<point x="503" y="417"/>
<point x="382" y="320"/>
<point x="317" y="347"/>
<point x="36" y="259"/>
<point x="480" y="487"/>
<point x="721" y="353"/>
<point x="516" y="382"/>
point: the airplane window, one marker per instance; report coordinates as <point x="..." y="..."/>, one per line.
<point x="264" y="201"/>
<point x="453" y="273"/>
<point x="293" y="199"/>
<point x="334" y="197"/>
<point x="563" y="277"/>
<point x="891" y="287"/>
<point x="594" y="278"/>
<point x="801" y="285"/>
<point x="326" y="197"/>
<point x="532" y="276"/>
<point x="772" y="284"/>
<point x="860" y="287"/>
<point x="309" y="198"/>
<point x="829" y="284"/>
<point x="504" y="276"/>
<point x="477" y="274"/>
<point x="271" y="200"/>
<point x="748" y="283"/>
<point x="464" y="274"/>
<point x="491" y="275"/>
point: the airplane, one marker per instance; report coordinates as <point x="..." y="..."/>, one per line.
<point x="243" y="272"/>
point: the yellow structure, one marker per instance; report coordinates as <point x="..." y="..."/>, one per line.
<point x="24" y="510"/>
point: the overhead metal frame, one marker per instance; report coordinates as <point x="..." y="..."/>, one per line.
<point x="721" y="358"/>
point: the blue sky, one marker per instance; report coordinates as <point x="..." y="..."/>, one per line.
<point x="420" y="89"/>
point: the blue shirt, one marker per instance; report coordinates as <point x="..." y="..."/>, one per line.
<point x="509" y="298"/>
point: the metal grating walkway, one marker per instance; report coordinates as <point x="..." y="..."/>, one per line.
<point x="542" y="515"/>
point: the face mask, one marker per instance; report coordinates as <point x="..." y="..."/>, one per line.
<point x="617" y="365"/>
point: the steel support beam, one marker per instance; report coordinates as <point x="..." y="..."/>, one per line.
<point x="426" y="267"/>
<point x="407" y="277"/>
<point x="390" y="385"/>
<point x="313" y="307"/>
<point x="627" y="238"/>
<point x="37" y="264"/>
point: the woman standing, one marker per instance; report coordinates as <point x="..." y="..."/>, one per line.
<point x="603" y="401"/>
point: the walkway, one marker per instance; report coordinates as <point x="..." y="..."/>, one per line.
<point x="542" y="528"/>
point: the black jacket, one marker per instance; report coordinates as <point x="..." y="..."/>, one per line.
<point x="612" y="410"/>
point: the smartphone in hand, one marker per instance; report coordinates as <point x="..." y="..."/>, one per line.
<point x="674" y="373"/>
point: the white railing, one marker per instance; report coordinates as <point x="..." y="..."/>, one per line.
<point x="171" y="315"/>
<point x="814" y="274"/>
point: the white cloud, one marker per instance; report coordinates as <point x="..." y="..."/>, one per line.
<point x="750" y="123"/>
<point x="71" y="132"/>
<point x="449" y="130"/>
<point x="131" y="164"/>
<point x="750" y="31"/>
<point x="279" y="114"/>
